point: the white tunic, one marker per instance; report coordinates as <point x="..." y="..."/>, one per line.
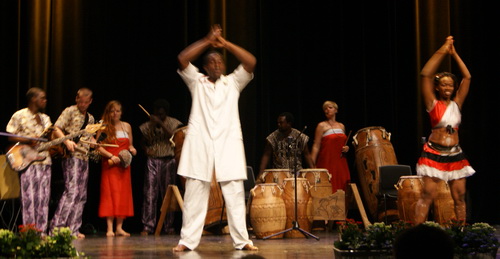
<point x="214" y="138"/>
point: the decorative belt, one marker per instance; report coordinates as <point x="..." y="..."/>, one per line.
<point x="441" y="148"/>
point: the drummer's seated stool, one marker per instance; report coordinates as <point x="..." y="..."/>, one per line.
<point x="389" y="177"/>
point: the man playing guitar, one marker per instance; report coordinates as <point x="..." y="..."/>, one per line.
<point x="75" y="165"/>
<point x="30" y="122"/>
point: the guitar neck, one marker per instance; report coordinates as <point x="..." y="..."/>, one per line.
<point x="46" y="145"/>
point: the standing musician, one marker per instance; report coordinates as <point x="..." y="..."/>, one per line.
<point x="116" y="201"/>
<point x="35" y="179"/>
<point x="442" y="158"/>
<point x="160" y="164"/>
<point x="284" y="147"/>
<point x="330" y="146"/>
<point x="214" y="141"/>
<point x="75" y="164"/>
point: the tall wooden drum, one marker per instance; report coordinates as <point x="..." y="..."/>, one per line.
<point x="275" y="176"/>
<point x="267" y="212"/>
<point x="319" y="179"/>
<point x="373" y="149"/>
<point x="444" y="206"/>
<point x="409" y="192"/>
<point x="304" y="205"/>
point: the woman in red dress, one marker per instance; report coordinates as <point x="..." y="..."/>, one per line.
<point x="329" y="148"/>
<point x="116" y="187"/>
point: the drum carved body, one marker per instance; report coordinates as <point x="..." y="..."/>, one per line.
<point x="267" y="212"/>
<point x="373" y="149"/>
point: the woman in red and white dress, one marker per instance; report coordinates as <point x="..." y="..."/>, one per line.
<point x="116" y="202"/>
<point x="442" y="158"/>
<point x="329" y="147"/>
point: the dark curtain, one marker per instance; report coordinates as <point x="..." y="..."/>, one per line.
<point x="366" y="56"/>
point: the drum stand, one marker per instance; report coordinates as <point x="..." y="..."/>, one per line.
<point x="295" y="223"/>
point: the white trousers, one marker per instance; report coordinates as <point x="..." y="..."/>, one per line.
<point x="196" y="206"/>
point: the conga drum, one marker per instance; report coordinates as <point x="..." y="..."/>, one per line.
<point x="275" y="176"/>
<point x="444" y="206"/>
<point x="268" y="211"/>
<point x="409" y="192"/>
<point x="304" y="205"/>
<point x="373" y="149"/>
<point x="319" y="179"/>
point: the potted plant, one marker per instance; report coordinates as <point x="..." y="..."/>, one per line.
<point x="373" y="242"/>
<point x="476" y="240"/>
<point x="29" y="243"/>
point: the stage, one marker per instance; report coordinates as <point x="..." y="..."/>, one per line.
<point x="211" y="246"/>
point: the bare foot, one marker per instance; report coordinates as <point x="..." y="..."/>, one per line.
<point x="122" y="233"/>
<point x="110" y="234"/>
<point x="249" y="247"/>
<point x="80" y="236"/>
<point x="180" y="248"/>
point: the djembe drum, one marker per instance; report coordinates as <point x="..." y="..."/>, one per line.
<point x="319" y="179"/>
<point x="304" y="205"/>
<point x="409" y="192"/>
<point x="444" y="206"/>
<point x="268" y="211"/>
<point x="373" y="149"/>
<point x="275" y="176"/>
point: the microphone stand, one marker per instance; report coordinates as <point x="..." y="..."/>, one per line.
<point x="295" y="223"/>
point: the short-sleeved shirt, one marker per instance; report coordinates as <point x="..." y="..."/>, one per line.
<point x="71" y="121"/>
<point x="214" y="138"/>
<point x="23" y="123"/>
<point x="285" y="148"/>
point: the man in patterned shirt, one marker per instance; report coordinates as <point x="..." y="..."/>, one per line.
<point x="283" y="147"/>
<point x="75" y="165"/>
<point x="160" y="165"/>
<point x="31" y="122"/>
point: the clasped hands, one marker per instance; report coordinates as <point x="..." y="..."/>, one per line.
<point x="215" y="37"/>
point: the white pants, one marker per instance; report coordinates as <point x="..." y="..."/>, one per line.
<point x="196" y="206"/>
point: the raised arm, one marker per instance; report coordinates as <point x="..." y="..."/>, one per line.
<point x="248" y="61"/>
<point x="194" y="50"/>
<point x="463" y="89"/>
<point x="429" y="71"/>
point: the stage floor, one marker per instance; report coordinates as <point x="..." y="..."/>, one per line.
<point x="211" y="246"/>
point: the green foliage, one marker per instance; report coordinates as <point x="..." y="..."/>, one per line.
<point x="472" y="239"/>
<point x="469" y="239"/>
<point x="29" y="243"/>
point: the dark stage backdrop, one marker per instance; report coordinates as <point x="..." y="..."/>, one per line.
<point x="366" y="56"/>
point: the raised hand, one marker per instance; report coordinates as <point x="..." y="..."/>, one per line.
<point x="447" y="47"/>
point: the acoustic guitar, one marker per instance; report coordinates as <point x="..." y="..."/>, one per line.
<point x="20" y="156"/>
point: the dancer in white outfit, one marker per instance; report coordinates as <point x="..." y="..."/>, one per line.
<point x="214" y="142"/>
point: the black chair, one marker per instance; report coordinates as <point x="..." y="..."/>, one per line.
<point x="389" y="177"/>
